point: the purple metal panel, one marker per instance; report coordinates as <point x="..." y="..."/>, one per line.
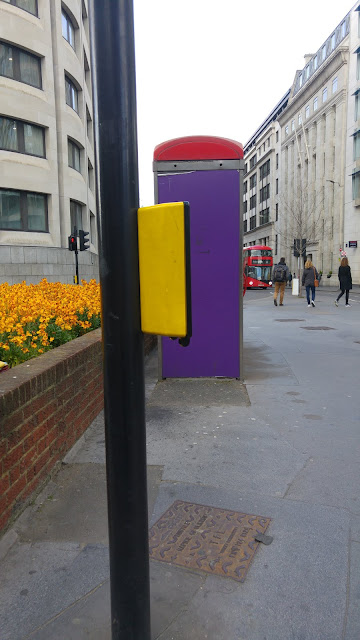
<point x="215" y="274"/>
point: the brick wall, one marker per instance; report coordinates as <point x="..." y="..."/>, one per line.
<point x="46" y="404"/>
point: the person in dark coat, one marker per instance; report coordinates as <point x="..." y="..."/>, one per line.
<point x="308" y="279"/>
<point x="344" y="275"/>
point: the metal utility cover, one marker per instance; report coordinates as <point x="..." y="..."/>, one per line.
<point x="217" y="541"/>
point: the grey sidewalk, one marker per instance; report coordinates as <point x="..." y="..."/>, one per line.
<point x="286" y="447"/>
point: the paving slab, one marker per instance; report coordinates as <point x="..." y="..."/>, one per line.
<point x="291" y="587"/>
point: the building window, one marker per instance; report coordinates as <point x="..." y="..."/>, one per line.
<point x="277" y="185"/>
<point x="265" y="193"/>
<point x="277" y="160"/>
<point x="268" y="142"/>
<point x="264" y="216"/>
<point x="334" y="84"/>
<point x="71" y="95"/>
<point x="23" y="210"/>
<point x="315" y="63"/>
<point x="75" y="215"/>
<point x="245" y="186"/>
<point x="252" y="222"/>
<point x="245" y="226"/>
<point x="343" y="29"/>
<point x="292" y="125"/>
<point x="324" y="94"/>
<point x="324" y="52"/>
<point x="307" y="111"/>
<point x="307" y="72"/>
<point x="299" y="119"/>
<point x="87" y="71"/>
<point x="20" y="65"/>
<point x="357" y="146"/>
<point x="253" y="202"/>
<point x="90" y="177"/>
<point x="276" y="212"/>
<point x="253" y="181"/>
<point x="333" y="42"/>
<point x="245" y="168"/>
<point x="276" y="245"/>
<point x="315" y="104"/>
<point x="300" y="80"/>
<point x="28" y="5"/>
<point x="286" y="130"/>
<point x="245" y="206"/>
<point x="253" y="161"/>
<point x="265" y="169"/>
<point x="357" y="102"/>
<point x="92" y="228"/>
<point x="74" y="156"/>
<point x="277" y="136"/>
<point x="356" y="186"/>
<point x="23" y="137"/>
<point x="68" y="30"/>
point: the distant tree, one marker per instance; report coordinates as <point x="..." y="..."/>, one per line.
<point x="301" y="224"/>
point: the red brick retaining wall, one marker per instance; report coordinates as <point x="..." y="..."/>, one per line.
<point x="46" y="404"/>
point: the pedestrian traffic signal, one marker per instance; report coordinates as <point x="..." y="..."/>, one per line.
<point x="84" y="241"/>
<point x="299" y="247"/>
<point x="72" y="242"/>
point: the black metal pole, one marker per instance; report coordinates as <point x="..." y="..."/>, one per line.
<point x="115" y="95"/>
<point x="76" y="258"/>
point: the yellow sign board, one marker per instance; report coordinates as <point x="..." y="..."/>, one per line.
<point x="164" y="265"/>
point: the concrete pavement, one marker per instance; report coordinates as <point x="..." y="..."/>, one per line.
<point x="285" y="445"/>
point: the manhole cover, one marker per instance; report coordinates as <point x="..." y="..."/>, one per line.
<point x="318" y="328"/>
<point x="217" y="541"/>
<point x="290" y="320"/>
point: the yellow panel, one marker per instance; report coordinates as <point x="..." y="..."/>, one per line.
<point x="162" y="264"/>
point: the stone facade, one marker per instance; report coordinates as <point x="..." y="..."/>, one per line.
<point x="56" y="36"/>
<point x="319" y="157"/>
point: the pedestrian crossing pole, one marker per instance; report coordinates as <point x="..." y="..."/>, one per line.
<point x="113" y="63"/>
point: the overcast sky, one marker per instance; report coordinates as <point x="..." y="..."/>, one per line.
<point x="207" y="67"/>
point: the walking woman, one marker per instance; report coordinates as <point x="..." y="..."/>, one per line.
<point x="344" y="275"/>
<point x="308" y="279"/>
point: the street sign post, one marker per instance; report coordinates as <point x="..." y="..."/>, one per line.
<point x="113" y="58"/>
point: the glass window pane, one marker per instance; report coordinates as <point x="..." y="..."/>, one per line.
<point x="34" y="140"/>
<point x="8" y="134"/>
<point x="28" y="5"/>
<point x="6" y="61"/>
<point x="64" y="24"/>
<point x="29" y="69"/>
<point x="356" y="146"/>
<point x="71" y="34"/>
<point x="36" y="212"/>
<point x="74" y="95"/>
<point x="75" y="215"/>
<point x="10" y="216"/>
<point x="68" y="92"/>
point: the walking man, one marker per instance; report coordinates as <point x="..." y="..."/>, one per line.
<point x="280" y="277"/>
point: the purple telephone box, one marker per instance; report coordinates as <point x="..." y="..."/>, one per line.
<point x="207" y="172"/>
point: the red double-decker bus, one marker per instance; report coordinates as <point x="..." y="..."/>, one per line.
<point x="258" y="264"/>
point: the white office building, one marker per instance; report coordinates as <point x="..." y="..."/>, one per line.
<point x="47" y="177"/>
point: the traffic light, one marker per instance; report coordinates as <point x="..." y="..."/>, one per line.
<point x="72" y="242"/>
<point x="84" y="241"/>
<point x="299" y="247"/>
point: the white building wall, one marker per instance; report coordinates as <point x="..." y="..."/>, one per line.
<point x="28" y="255"/>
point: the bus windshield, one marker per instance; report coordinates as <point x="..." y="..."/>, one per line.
<point x="261" y="252"/>
<point x="259" y="273"/>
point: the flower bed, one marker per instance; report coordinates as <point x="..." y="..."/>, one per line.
<point x="37" y="318"/>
